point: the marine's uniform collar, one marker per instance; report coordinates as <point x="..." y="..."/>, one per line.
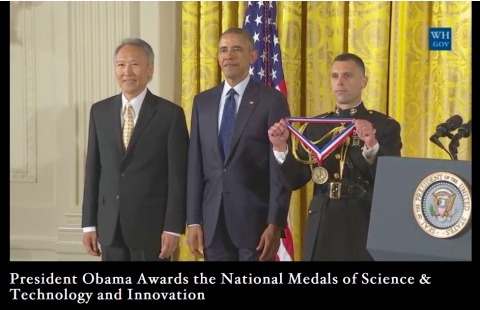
<point x="353" y="112"/>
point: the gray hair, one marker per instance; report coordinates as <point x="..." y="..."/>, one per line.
<point x="137" y="42"/>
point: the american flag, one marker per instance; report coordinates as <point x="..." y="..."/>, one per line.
<point x="260" y="22"/>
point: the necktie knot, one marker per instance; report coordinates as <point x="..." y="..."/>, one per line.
<point x="231" y="92"/>
<point x="128" y="109"/>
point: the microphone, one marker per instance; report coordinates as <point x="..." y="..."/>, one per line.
<point x="445" y="130"/>
<point x="463" y="131"/>
<point x="451" y="124"/>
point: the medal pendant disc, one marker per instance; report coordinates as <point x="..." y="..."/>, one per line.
<point x="319" y="175"/>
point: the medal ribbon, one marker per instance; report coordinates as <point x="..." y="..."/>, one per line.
<point x="321" y="154"/>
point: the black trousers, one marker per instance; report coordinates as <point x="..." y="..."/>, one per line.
<point x="119" y="251"/>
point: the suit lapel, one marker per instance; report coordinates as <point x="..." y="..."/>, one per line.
<point x="146" y="113"/>
<point x="117" y="122"/>
<point x="247" y="106"/>
<point x="213" y="106"/>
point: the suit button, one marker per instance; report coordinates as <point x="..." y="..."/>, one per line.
<point x="122" y="175"/>
<point x="118" y="197"/>
<point x="224" y="170"/>
<point x="310" y="211"/>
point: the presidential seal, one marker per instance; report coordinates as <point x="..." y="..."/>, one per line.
<point x="442" y="205"/>
<point x="319" y="175"/>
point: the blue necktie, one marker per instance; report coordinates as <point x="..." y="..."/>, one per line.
<point x="228" y="121"/>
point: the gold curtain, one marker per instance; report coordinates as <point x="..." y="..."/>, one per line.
<point x="417" y="87"/>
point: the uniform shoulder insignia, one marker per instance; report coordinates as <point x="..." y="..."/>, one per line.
<point x="371" y="111"/>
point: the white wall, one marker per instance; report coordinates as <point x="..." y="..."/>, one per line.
<point x="60" y="64"/>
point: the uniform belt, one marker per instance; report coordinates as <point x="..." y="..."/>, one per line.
<point x="337" y="190"/>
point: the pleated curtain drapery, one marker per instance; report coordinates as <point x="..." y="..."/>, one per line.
<point x="418" y="87"/>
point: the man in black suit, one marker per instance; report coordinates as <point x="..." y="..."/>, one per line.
<point x="339" y="213"/>
<point x="237" y="206"/>
<point x="135" y="182"/>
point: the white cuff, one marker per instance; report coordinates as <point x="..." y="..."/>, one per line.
<point x="172" y="233"/>
<point x="280" y="156"/>
<point x="370" y="154"/>
<point x="89" y="229"/>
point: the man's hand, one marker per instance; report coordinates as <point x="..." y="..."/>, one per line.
<point x="90" y="242"/>
<point x="169" y="245"/>
<point x="366" y="132"/>
<point x="269" y="243"/>
<point x="278" y="135"/>
<point x="195" y="240"/>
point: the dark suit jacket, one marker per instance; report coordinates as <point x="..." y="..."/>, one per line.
<point x="247" y="181"/>
<point x="145" y="187"/>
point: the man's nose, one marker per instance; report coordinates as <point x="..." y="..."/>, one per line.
<point x="229" y="54"/>
<point x="127" y="70"/>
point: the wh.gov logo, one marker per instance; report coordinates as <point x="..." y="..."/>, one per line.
<point x="442" y="205"/>
<point x="440" y="39"/>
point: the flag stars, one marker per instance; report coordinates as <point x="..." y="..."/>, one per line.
<point x="274" y="74"/>
<point x="275" y="58"/>
<point x="256" y="37"/>
<point x="271" y="22"/>
<point x="261" y="73"/>
<point x="275" y="40"/>
<point x="267" y="68"/>
<point x="264" y="55"/>
<point x="258" y="20"/>
<point x="260" y="4"/>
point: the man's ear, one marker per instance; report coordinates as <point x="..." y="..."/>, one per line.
<point x="253" y="56"/>
<point x="364" y="81"/>
<point x="151" y="69"/>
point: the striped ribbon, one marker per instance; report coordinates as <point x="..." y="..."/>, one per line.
<point x="321" y="154"/>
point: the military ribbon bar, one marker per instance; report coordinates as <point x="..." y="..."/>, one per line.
<point x="321" y="154"/>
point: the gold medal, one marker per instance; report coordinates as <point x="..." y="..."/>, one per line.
<point x="319" y="175"/>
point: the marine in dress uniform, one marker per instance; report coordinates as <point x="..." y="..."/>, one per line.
<point x="339" y="212"/>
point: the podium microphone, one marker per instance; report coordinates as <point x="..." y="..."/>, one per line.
<point x="445" y="130"/>
<point x="463" y="131"/>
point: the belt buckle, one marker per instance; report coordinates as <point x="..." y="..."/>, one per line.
<point x="335" y="190"/>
